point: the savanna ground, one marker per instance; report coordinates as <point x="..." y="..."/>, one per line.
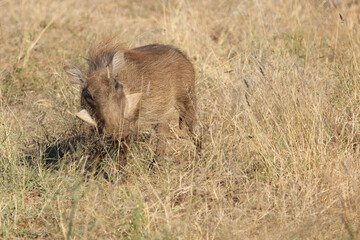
<point x="279" y="102"/>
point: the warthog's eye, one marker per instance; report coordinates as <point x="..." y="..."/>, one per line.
<point x="118" y="85"/>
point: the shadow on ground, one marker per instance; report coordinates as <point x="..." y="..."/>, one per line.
<point x="82" y="149"/>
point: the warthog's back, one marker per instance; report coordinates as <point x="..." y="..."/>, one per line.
<point x="165" y="77"/>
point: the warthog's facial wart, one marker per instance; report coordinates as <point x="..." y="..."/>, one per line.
<point x="85" y="116"/>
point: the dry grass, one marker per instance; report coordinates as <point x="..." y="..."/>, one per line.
<point x="279" y="94"/>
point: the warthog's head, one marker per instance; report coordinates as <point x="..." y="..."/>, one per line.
<point x="104" y="103"/>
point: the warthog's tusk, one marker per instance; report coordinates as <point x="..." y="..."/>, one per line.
<point x="85" y="116"/>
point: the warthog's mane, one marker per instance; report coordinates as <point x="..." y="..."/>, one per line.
<point x="102" y="53"/>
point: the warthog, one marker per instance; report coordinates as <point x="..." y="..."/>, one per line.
<point x="124" y="90"/>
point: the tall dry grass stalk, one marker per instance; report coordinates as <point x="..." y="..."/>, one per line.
<point x="279" y="95"/>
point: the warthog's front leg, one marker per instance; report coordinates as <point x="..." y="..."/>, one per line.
<point x="121" y="156"/>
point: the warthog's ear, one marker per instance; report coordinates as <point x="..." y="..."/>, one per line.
<point x="74" y="75"/>
<point x="132" y="104"/>
<point x="118" y="62"/>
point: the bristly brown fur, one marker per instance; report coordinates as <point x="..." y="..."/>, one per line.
<point x="127" y="89"/>
<point x="102" y="53"/>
